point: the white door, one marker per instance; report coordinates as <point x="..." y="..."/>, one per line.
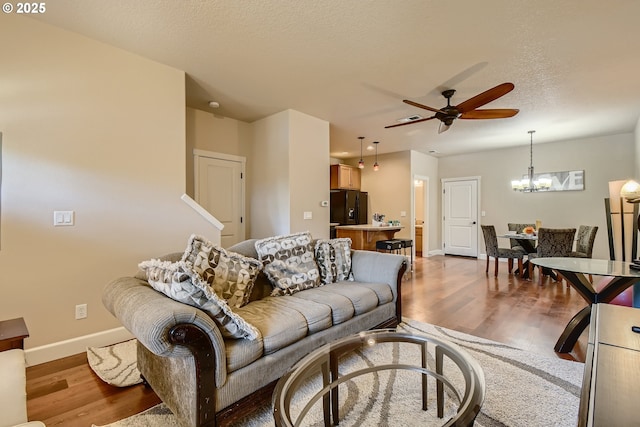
<point x="460" y="222"/>
<point x="219" y="188"/>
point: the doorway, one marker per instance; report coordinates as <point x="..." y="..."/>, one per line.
<point x="460" y="216"/>
<point x="420" y="215"/>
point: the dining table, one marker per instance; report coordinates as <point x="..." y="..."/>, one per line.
<point x="528" y="243"/>
<point x="575" y="271"/>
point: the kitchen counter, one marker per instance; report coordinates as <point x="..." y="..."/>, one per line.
<point x="365" y="236"/>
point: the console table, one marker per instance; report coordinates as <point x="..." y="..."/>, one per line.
<point x="574" y="270"/>
<point x="611" y="382"/>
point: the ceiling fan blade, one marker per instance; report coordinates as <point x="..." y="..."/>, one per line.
<point x="443" y="128"/>
<point x="415" y="104"/>
<point x="499" y="113"/>
<point x="485" y="97"/>
<point x="410" y="122"/>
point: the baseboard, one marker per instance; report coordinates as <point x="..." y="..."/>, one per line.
<point x="58" y="350"/>
<point x="435" y="252"/>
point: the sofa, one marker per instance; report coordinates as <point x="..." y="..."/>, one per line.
<point x="207" y="377"/>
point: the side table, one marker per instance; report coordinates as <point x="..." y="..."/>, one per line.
<point x="12" y="334"/>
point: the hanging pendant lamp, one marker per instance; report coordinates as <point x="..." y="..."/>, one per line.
<point x="361" y="162"/>
<point x="376" y="166"/>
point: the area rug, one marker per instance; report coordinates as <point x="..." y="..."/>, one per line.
<point x="115" y="364"/>
<point x="522" y="389"/>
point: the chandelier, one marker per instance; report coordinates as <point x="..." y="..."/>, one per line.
<point x="529" y="184"/>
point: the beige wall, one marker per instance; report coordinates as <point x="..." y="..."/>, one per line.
<point x="309" y="174"/>
<point x="94" y="129"/>
<point x="604" y="159"/>
<point x="426" y="166"/>
<point x="289" y="175"/>
<point x="212" y="132"/>
<point x="390" y="191"/>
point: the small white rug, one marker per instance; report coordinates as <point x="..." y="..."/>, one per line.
<point x="115" y="364"/>
<point x="522" y="389"/>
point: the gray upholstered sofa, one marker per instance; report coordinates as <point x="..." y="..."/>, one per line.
<point x="206" y="379"/>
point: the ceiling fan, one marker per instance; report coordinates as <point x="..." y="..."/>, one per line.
<point x="465" y="110"/>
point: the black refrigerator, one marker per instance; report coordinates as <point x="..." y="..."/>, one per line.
<point x="349" y="207"/>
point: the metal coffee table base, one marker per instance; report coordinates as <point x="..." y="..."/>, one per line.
<point x="325" y="362"/>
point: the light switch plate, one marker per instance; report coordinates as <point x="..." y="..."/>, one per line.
<point x="308" y="215"/>
<point x="63" y="218"/>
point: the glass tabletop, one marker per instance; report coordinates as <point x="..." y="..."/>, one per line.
<point x="598" y="267"/>
<point x="519" y="236"/>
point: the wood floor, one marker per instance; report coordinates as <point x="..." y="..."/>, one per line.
<point x="452" y="292"/>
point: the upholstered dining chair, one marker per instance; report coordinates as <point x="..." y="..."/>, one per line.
<point x="553" y="242"/>
<point x="491" y="244"/>
<point x="584" y="243"/>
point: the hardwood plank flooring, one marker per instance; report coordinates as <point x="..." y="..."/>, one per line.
<point x="453" y="292"/>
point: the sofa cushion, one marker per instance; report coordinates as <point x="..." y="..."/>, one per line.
<point x="231" y="275"/>
<point x="278" y="325"/>
<point x="341" y="306"/>
<point x="383" y="291"/>
<point x="241" y="353"/>
<point x="362" y="298"/>
<point x="179" y="282"/>
<point x="333" y="257"/>
<point x="317" y="316"/>
<point x="289" y="262"/>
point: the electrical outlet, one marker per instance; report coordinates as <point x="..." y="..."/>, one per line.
<point x="81" y="311"/>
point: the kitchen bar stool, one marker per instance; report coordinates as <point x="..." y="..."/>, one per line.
<point x="392" y="246"/>
<point x="407" y="244"/>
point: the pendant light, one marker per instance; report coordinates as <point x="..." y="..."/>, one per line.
<point x="361" y="162"/>
<point x="528" y="185"/>
<point x="376" y="166"/>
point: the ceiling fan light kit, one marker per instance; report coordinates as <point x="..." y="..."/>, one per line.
<point x="465" y="110"/>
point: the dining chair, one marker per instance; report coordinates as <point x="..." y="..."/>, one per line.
<point x="553" y="242"/>
<point x="492" y="249"/>
<point x="584" y="242"/>
<point x="513" y="226"/>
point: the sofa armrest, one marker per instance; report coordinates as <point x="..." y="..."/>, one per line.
<point x="378" y="267"/>
<point x="159" y="322"/>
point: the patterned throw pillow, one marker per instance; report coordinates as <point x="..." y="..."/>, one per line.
<point x="289" y="262"/>
<point x="231" y="275"/>
<point x="179" y="282"/>
<point x="334" y="260"/>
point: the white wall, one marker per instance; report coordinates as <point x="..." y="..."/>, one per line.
<point x="604" y="159"/>
<point x="94" y="129"/>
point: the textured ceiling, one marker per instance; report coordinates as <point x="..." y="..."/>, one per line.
<point x="575" y="63"/>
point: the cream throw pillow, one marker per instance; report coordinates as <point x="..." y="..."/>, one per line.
<point x="179" y="282"/>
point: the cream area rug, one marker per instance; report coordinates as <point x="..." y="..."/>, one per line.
<point x="522" y="389"/>
<point x="115" y="364"/>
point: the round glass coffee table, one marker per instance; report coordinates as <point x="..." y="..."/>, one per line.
<point x="309" y="393"/>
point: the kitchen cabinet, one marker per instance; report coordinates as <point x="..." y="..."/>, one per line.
<point x="345" y="177"/>
<point x="419" y="240"/>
